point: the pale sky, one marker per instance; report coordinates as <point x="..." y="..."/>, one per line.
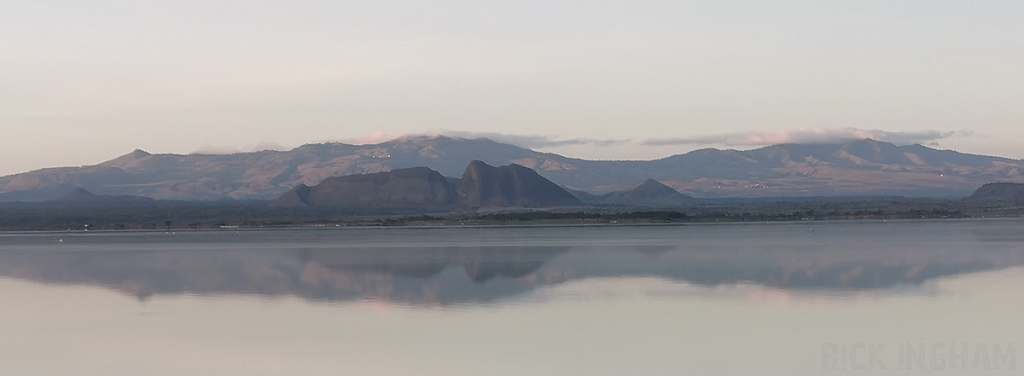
<point x="85" y="81"/>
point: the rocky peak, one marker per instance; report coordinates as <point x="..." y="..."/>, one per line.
<point x="651" y="187"/>
<point x="483" y="185"/>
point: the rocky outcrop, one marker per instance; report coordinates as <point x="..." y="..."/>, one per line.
<point x="486" y="186"/>
<point x="408" y="188"/>
<point x="481" y="186"/>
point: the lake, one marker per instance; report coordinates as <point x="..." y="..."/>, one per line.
<point x="802" y="298"/>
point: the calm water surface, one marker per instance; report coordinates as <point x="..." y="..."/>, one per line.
<point x="931" y="297"/>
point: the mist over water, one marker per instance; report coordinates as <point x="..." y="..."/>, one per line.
<point x="771" y="299"/>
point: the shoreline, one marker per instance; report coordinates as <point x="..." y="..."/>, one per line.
<point x="246" y="215"/>
<point x="414" y="223"/>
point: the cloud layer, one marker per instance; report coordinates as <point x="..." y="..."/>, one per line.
<point x="209" y="148"/>
<point x="526" y="141"/>
<point x="736" y="139"/>
<point x="809" y="136"/>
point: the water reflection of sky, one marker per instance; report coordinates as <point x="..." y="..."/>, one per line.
<point x="720" y="300"/>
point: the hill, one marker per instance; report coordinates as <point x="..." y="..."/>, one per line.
<point x="82" y="197"/>
<point x="863" y="167"/>
<point x="998" y="194"/>
<point x="649" y="192"/>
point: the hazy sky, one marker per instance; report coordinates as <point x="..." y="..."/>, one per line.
<point x="86" y="81"/>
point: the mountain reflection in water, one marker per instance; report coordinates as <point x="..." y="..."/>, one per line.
<point x="467" y="265"/>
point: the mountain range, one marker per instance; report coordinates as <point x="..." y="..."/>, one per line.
<point x="861" y="167"/>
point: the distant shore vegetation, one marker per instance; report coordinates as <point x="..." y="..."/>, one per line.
<point x="255" y="214"/>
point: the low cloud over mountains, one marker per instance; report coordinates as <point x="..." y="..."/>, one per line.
<point x="809" y="136"/>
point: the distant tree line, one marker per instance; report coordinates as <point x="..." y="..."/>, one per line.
<point x="197" y="215"/>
